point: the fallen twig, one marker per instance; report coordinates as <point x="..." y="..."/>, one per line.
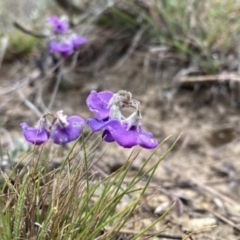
<point x="224" y="219"/>
<point x="28" y="32"/>
<point x="198" y="231"/>
<point x="210" y="78"/>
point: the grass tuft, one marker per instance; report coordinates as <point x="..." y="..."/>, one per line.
<point x="204" y="32"/>
<point x="72" y="202"/>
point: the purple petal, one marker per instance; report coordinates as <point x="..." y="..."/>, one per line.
<point x="145" y="141"/>
<point x="69" y="133"/>
<point x="65" y="49"/>
<point x="125" y="138"/>
<point x="59" y="25"/>
<point x="129" y="138"/>
<point x="148" y="134"/>
<point x="36" y="136"/>
<point x="97" y="125"/>
<point x="53" y="46"/>
<point x="77" y="41"/>
<point x="107" y="136"/>
<point x="114" y="130"/>
<point x="98" y="103"/>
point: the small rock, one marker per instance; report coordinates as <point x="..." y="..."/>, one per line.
<point x="196" y="223"/>
<point x="162" y="208"/>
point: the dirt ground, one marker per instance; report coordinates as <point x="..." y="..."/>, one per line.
<point x="201" y="174"/>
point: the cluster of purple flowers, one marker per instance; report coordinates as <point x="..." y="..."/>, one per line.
<point x="126" y="131"/>
<point x="107" y="108"/>
<point x="64" y="40"/>
<point x="62" y="129"/>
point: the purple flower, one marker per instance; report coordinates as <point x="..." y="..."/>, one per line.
<point x="65" y="49"/>
<point x="60" y="25"/>
<point x="37" y="135"/>
<point x="62" y="129"/>
<point x="127" y="132"/>
<point x="65" y="41"/>
<point x="114" y="130"/>
<point x="67" y="129"/>
<point x="67" y="46"/>
<point x="98" y="103"/>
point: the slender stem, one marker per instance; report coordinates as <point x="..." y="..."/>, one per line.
<point x="39" y="98"/>
<point x="56" y="87"/>
<point x="29" y="104"/>
<point x="74" y="61"/>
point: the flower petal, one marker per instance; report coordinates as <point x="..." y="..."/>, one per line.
<point x="145" y="141"/>
<point x="125" y="138"/>
<point x="36" y="136"/>
<point x="114" y="130"/>
<point x="65" y="49"/>
<point x="98" y="103"/>
<point x="107" y="136"/>
<point x="97" y="125"/>
<point x="78" y="40"/>
<point x="58" y="24"/>
<point x="69" y="133"/>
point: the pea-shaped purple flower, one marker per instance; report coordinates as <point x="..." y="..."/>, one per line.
<point x="62" y="130"/>
<point x="114" y="130"/>
<point x="66" y="46"/>
<point x="36" y="135"/>
<point x="64" y="49"/>
<point x="127" y="132"/>
<point x="67" y="129"/>
<point x="64" y="41"/>
<point x="60" y="25"/>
